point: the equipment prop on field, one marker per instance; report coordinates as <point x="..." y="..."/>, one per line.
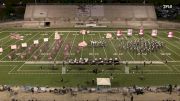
<point x="36" y="42"/>
<point x="129" y="32"/>
<point x="154" y="33"/>
<point x="82" y="44"/>
<point x="24" y="45"/>
<point x="16" y="36"/>
<point x="88" y="31"/>
<point x="57" y="36"/>
<point x="141" y="31"/>
<point x="45" y="39"/>
<point x="170" y="34"/>
<point x="83" y="32"/>
<point x="108" y="35"/>
<point x="1" y="50"/>
<point x="13" y="46"/>
<point x="119" y="33"/>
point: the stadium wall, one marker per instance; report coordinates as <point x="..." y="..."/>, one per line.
<point x="55" y="16"/>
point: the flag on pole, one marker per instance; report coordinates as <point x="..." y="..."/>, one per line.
<point x="154" y="33"/>
<point x="24" y="44"/>
<point x="1" y="50"/>
<point x="129" y="32"/>
<point x="36" y="41"/>
<point x="141" y="31"/>
<point x="45" y="39"/>
<point x="170" y="34"/>
<point x="13" y="46"/>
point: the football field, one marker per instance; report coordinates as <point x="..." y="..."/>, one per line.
<point x="41" y="70"/>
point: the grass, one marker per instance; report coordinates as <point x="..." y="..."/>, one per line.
<point x="16" y="72"/>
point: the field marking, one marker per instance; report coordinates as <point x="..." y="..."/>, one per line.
<point x="160" y="49"/>
<point x="168" y="68"/>
<point x="169" y="42"/>
<point x="92" y="46"/>
<point x="10" y="51"/>
<point x="72" y="45"/>
<point x="158" y="57"/>
<point x="114" y="48"/>
<point x="27" y="41"/>
<point x="172" y="50"/>
<point x="42" y="45"/>
<point x="103" y="47"/>
<point x="128" y="51"/>
<point x="61" y="46"/>
<point x="37" y="49"/>
<point x="14" y="66"/>
<point x="33" y="53"/>
<point x="36" y="67"/>
<point x="89" y="73"/>
<point x="175" y="67"/>
<point x="166" y="48"/>
<point x="176" y="36"/>
<point x="60" y="31"/>
<point x="82" y="48"/>
<point x="49" y="50"/>
<point x="4" y="37"/>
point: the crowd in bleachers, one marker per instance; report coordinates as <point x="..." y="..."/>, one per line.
<point x="169" y="12"/>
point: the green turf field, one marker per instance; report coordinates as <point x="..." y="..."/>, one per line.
<point x="19" y="72"/>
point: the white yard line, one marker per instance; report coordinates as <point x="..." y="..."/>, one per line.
<point x="32" y="54"/>
<point x="160" y="59"/>
<point x="85" y="73"/>
<point x="169" y="42"/>
<point x="164" y="64"/>
<point x="4" y="37"/>
<point x="82" y="48"/>
<point x="49" y="50"/>
<point x="128" y="51"/>
<point x="26" y="42"/>
<point x="160" y="50"/>
<point x="177" y="37"/>
<point x="8" y="47"/>
<point x="38" y="48"/>
<point x="175" y="67"/>
<point x="103" y="47"/>
<point x="172" y="51"/>
<point x="14" y="66"/>
<point x="62" y="31"/>
<point x="92" y="46"/>
<point x="73" y="44"/>
<point x="141" y="54"/>
<point x="61" y="46"/>
<point x="114" y="48"/>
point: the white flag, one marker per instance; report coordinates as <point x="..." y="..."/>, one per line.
<point x="24" y="44"/>
<point x="45" y="39"/>
<point x="1" y="50"/>
<point x="13" y="46"/>
<point x="36" y="41"/>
